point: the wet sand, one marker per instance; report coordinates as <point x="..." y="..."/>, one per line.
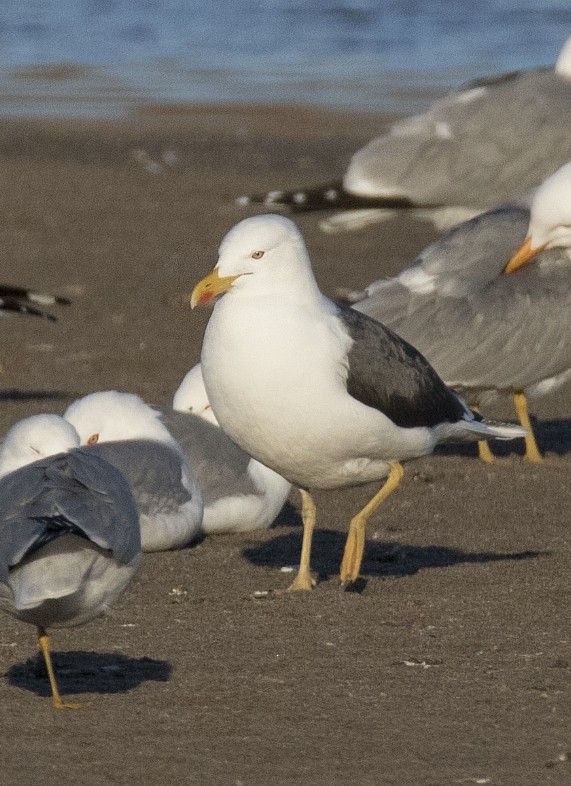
<point x="452" y="663"/>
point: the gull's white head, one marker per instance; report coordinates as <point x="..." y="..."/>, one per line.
<point x="110" y="416"/>
<point x="191" y="396"/>
<point x="35" y="438"/>
<point x="550" y="219"/>
<point x="263" y="254"/>
<point x="563" y="64"/>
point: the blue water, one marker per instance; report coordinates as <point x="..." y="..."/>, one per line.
<point x="381" y="56"/>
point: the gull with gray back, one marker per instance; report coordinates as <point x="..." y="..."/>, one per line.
<point x="487" y="143"/>
<point x="125" y="431"/>
<point x="69" y="531"/>
<point x="488" y="303"/>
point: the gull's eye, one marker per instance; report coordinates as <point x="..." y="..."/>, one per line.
<point x="93" y="439"/>
<point x="257" y="254"/>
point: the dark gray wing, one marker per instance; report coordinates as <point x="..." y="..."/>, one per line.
<point x="477" y="148"/>
<point x="153" y="471"/>
<point x="218" y="464"/>
<point x="387" y="373"/>
<point x="69" y="492"/>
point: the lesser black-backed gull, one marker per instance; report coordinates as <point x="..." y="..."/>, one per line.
<point x="322" y="394"/>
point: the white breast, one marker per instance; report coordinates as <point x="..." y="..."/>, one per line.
<point x="275" y="375"/>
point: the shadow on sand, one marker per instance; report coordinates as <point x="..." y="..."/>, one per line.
<point x="33" y="395"/>
<point x="88" y="672"/>
<point x="380" y="559"/>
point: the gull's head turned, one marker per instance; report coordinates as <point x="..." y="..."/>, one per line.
<point x="550" y="219"/>
<point x="110" y="416"/>
<point x="35" y="438"/>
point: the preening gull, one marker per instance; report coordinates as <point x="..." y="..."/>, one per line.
<point x="69" y="531"/>
<point x="486" y="325"/>
<point x="239" y="493"/>
<point x="127" y="432"/>
<point x="27" y="301"/>
<point x="322" y="394"/>
<point x="489" y="142"/>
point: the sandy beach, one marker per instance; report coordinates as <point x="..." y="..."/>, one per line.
<point x="451" y="665"/>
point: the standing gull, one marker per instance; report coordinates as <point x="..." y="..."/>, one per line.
<point x="489" y="326"/>
<point x="69" y="531"/>
<point x="128" y="433"/>
<point x="484" y="144"/>
<point x="239" y="493"/>
<point x="323" y="395"/>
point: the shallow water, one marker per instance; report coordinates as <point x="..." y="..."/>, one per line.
<point x="102" y="57"/>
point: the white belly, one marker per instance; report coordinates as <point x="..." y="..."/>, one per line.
<point x="279" y="391"/>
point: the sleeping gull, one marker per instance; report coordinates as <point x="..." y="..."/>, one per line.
<point x="486" y="143"/>
<point x="70" y="538"/>
<point x="489" y="327"/>
<point x="322" y="394"/>
<point x="27" y="301"/>
<point x="127" y="432"/>
<point x="239" y="493"/>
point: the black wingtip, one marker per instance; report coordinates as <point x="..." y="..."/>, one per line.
<point x="43" y="298"/>
<point x="19" y="299"/>
<point x="328" y="196"/>
<point x="13" y="304"/>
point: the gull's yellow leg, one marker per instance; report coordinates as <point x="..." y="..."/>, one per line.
<point x="303" y="580"/>
<point x="531" y="450"/>
<point x="484" y="450"/>
<point x="44" y="642"/>
<point x="485" y="453"/>
<point x="355" y="543"/>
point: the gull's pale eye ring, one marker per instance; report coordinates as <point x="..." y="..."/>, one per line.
<point x="257" y="254"/>
<point x="93" y="439"/>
